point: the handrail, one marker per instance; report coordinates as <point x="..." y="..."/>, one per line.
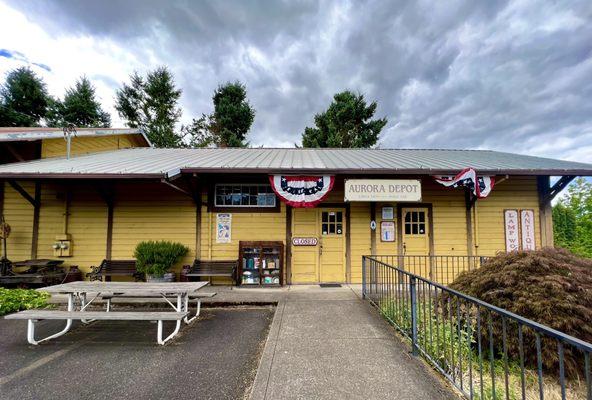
<point x="533" y="324"/>
<point x="419" y="308"/>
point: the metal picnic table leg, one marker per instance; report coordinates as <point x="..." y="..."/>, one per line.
<point x="179" y="308"/>
<point x="31" y="325"/>
<point x="197" y="311"/>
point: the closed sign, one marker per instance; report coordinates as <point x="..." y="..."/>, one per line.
<point x="305" y="241"/>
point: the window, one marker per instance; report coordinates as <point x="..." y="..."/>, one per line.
<point x="332" y="222"/>
<point x="248" y="195"/>
<point x="415" y="223"/>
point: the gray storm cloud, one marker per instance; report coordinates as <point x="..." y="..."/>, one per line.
<point x="514" y="76"/>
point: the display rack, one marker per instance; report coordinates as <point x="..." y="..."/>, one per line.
<point x="261" y="263"/>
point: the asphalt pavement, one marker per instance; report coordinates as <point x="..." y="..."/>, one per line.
<point x="214" y="358"/>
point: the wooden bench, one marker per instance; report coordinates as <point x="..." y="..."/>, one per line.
<point x="109" y="268"/>
<point x="214" y="268"/>
<point x="36" y="315"/>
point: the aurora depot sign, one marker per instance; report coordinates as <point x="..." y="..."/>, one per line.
<point x="400" y="190"/>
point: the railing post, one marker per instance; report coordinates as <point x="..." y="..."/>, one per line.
<point x="363" y="277"/>
<point x="412" y="291"/>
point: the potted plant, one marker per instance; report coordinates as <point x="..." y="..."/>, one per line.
<point x="155" y="259"/>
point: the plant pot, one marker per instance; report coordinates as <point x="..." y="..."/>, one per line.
<point x="168" y="277"/>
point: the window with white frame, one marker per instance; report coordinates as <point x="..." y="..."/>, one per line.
<point x="244" y="195"/>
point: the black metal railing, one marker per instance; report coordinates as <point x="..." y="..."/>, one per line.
<point x="486" y="352"/>
<point x="441" y="269"/>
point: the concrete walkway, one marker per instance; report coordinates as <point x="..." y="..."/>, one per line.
<point x="329" y="344"/>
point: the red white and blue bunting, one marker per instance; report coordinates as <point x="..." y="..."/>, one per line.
<point x="302" y="191"/>
<point x="480" y="186"/>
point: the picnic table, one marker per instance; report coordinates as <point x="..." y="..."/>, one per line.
<point x="78" y="301"/>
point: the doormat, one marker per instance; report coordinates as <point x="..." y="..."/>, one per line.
<point x="323" y="285"/>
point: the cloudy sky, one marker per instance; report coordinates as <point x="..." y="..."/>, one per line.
<point x="503" y="75"/>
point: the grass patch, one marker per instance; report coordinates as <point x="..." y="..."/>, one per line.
<point x="12" y="300"/>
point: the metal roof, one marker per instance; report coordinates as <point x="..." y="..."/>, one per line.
<point x="19" y="134"/>
<point x="162" y="163"/>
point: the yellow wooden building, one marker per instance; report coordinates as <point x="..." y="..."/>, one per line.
<point x="105" y="199"/>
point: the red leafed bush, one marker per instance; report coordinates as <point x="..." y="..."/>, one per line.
<point x="550" y="286"/>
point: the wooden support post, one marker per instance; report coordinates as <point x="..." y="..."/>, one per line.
<point x="545" y="210"/>
<point x="109" y="242"/>
<point x="36" y="209"/>
<point x="373" y="231"/>
<point x="348" y="261"/>
<point x="289" y="244"/>
<point x="1" y="197"/>
<point x="108" y="196"/>
<point x="469" y="219"/>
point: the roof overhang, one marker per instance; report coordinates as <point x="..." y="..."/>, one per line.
<point x="174" y="174"/>
<point x="31" y="135"/>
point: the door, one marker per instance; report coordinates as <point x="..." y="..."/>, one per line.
<point x="332" y="245"/>
<point x="305" y="259"/>
<point x="416" y="240"/>
<point x="325" y="261"/>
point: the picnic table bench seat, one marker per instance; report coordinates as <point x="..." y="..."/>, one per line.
<point x="36" y="315"/>
<point x="211" y="268"/>
<point x="140" y="295"/>
<point x="109" y="268"/>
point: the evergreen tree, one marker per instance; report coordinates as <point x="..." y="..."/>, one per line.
<point x="79" y="108"/>
<point x="23" y="99"/>
<point x="347" y="123"/>
<point x="151" y="103"/>
<point x="230" y="122"/>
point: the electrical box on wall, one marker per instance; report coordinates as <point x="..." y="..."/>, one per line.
<point x="62" y="246"/>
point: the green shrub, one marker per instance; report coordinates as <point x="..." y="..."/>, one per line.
<point x="12" y="300"/>
<point x="157" y="257"/>
<point x="549" y="286"/>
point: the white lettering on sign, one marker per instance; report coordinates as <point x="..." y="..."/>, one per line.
<point x="305" y="241"/>
<point x="527" y="229"/>
<point x="511" y="226"/>
<point x="382" y="190"/>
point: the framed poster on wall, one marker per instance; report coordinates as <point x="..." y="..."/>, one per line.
<point x="387" y="231"/>
<point x="223" y="228"/>
<point x="511" y="230"/>
<point x="527" y="229"/>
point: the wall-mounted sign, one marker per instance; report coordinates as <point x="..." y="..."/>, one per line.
<point x="373" y="225"/>
<point x="305" y="241"/>
<point x="406" y="190"/>
<point x="223" y="228"/>
<point x="511" y="229"/>
<point x="388" y="213"/>
<point x="527" y="229"/>
<point x="387" y="231"/>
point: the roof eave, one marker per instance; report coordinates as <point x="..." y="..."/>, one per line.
<point x="78" y="176"/>
<point x="387" y="171"/>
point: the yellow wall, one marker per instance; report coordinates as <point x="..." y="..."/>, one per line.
<point x="89" y="144"/>
<point x="154" y="211"/>
<point x="87" y="224"/>
<point x="19" y="215"/>
<point x="514" y="193"/>
<point x="359" y="237"/>
<point x="246" y="226"/>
